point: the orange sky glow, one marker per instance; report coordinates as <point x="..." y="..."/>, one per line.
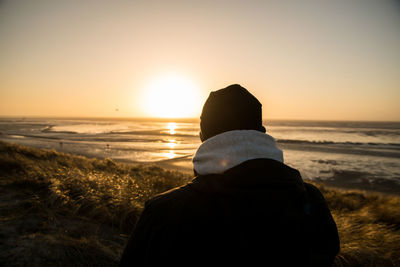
<point x="318" y="60"/>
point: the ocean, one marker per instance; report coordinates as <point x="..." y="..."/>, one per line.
<point x="363" y="155"/>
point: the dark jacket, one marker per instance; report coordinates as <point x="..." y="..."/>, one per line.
<point x="258" y="213"/>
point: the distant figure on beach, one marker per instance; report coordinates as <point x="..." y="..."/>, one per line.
<point x="244" y="206"/>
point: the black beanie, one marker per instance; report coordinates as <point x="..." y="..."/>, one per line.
<point x="230" y="108"/>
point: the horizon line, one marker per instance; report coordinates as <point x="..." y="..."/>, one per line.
<point x="182" y="118"/>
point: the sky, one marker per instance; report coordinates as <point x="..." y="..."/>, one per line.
<point x="306" y="60"/>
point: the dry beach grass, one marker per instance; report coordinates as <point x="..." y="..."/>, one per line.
<point x="58" y="209"/>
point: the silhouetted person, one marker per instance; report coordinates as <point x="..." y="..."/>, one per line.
<point x="244" y="207"/>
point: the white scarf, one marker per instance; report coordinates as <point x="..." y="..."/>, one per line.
<point x="229" y="149"/>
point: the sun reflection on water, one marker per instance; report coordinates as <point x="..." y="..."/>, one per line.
<point x="171" y="127"/>
<point x="170" y="154"/>
<point x="171" y="143"/>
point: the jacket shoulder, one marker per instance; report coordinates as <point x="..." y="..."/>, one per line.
<point x="169" y="197"/>
<point x="314" y="193"/>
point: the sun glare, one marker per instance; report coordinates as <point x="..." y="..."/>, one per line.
<point x="172" y="96"/>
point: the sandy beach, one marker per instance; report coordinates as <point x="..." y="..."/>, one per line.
<point x="357" y="155"/>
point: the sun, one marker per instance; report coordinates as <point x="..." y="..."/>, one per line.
<point x="172" y="96"/>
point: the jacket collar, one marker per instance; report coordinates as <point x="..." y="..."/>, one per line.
<point x="256" y="176"/>
<point x="229" y="149"/>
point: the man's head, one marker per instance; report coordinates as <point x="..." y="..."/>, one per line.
<point x="230" y="108"/>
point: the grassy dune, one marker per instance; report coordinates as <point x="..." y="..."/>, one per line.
<point x="58" y="209"/>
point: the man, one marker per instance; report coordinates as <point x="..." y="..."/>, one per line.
<point x="244" y="207"/>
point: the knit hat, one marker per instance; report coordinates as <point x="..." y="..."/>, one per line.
<point x="228" y="109"/>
